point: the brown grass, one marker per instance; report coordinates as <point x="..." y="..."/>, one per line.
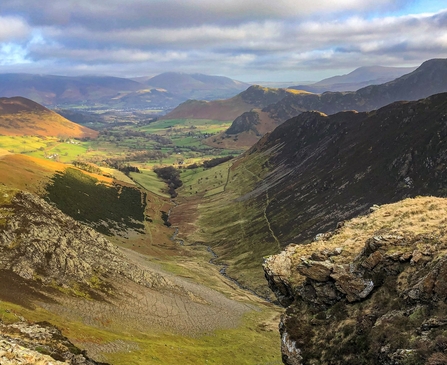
<point x="32" y="173"/>
<point x="413" y="216"/>
<point x="20" y="116"/>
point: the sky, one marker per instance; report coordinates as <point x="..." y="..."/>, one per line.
<point x="248" y="40"/>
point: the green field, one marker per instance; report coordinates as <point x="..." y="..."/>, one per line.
<point x="149" y="180"/>
<point x="204" y="181"/>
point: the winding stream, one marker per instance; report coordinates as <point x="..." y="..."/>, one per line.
<point x="222" y="266"/>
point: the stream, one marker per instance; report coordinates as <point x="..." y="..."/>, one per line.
<point x="222" y="266"/>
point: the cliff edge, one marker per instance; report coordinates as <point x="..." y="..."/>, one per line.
<point x="371" y="292"/>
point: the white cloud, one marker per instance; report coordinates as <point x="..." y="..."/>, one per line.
<point x="13" y="29"/>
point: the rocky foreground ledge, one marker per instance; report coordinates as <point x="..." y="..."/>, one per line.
<point x="372" y="292"/>
<point x="38" y="344"/>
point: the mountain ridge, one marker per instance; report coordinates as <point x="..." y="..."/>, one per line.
<point x="356" y="79"/>
<point x="426" y="80"/>
<point x="115" y="92"/>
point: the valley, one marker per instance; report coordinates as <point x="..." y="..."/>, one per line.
<point x="180" y="238"/>
<point x="180" y="308"/>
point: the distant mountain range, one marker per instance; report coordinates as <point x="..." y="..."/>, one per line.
<point x="164" y="91"/>
<point x="360" y="77"/>
<point x="428" y="79"/>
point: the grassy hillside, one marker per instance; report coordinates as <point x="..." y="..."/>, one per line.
<point x="186" y="311"/>
<point x="20" y="116"/>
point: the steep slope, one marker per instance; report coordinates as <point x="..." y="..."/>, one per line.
<point x="316" y="170"/>
<point x="20" y="116"/>
<point x="360" y="77"/>
<point x="372" y="292"/>
<point x="430" y="78"/>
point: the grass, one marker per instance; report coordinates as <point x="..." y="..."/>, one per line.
<point x="44" y="147"/>
<point x="198" y="125"/>
<point x="149" y="180"/>
<point x="200" y="180"/>
<point x="237" y="232"/>
<point x="248" y="344"/>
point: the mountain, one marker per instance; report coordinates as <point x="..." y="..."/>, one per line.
<point x="316" y="170"/>
<point x="196" y="86"/>
<point x="360" y="77"/>
<point x="164" y="91"/>
<point x="254" y="97"/>
<point x="371" y="292"/>
<point x="21" y="116"/>
<point x="428" y="79"/>
<point x="51" y="90"/>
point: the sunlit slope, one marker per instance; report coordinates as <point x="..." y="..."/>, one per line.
<point x="21" y="116"/>
<point x="32" y="173"/>
<point x="229" y="109"/>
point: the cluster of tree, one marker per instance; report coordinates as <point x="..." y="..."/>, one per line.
<point x="171" y="176"/>
<point x="123" y="167"/>
<point x="87" y="167"/>
<point x="216" y="161"/>
<point x="120" y="135"/>
<point x="211" y="163"/>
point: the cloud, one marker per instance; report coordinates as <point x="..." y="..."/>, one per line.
<point x="117" y="14"/>
<point x="230" y="37"/>
<point x="13" y="29"/>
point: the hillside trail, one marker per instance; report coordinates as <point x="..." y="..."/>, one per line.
<point x="267" y="203"/>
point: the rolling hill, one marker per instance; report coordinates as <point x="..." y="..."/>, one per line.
<point x="195" y="86"/>
<point x="21" y="116"/>
<point x="224" y="110"/>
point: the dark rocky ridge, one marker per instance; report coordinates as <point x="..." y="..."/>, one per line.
<point x="328" y="168"/>
<point x="428" y="79"/>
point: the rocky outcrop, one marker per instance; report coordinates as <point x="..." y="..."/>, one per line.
<point x="39" y="242"/>
<point x="245" y="123"/>
<point x="40" y="344"/>
<point x="379" y="300"/>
